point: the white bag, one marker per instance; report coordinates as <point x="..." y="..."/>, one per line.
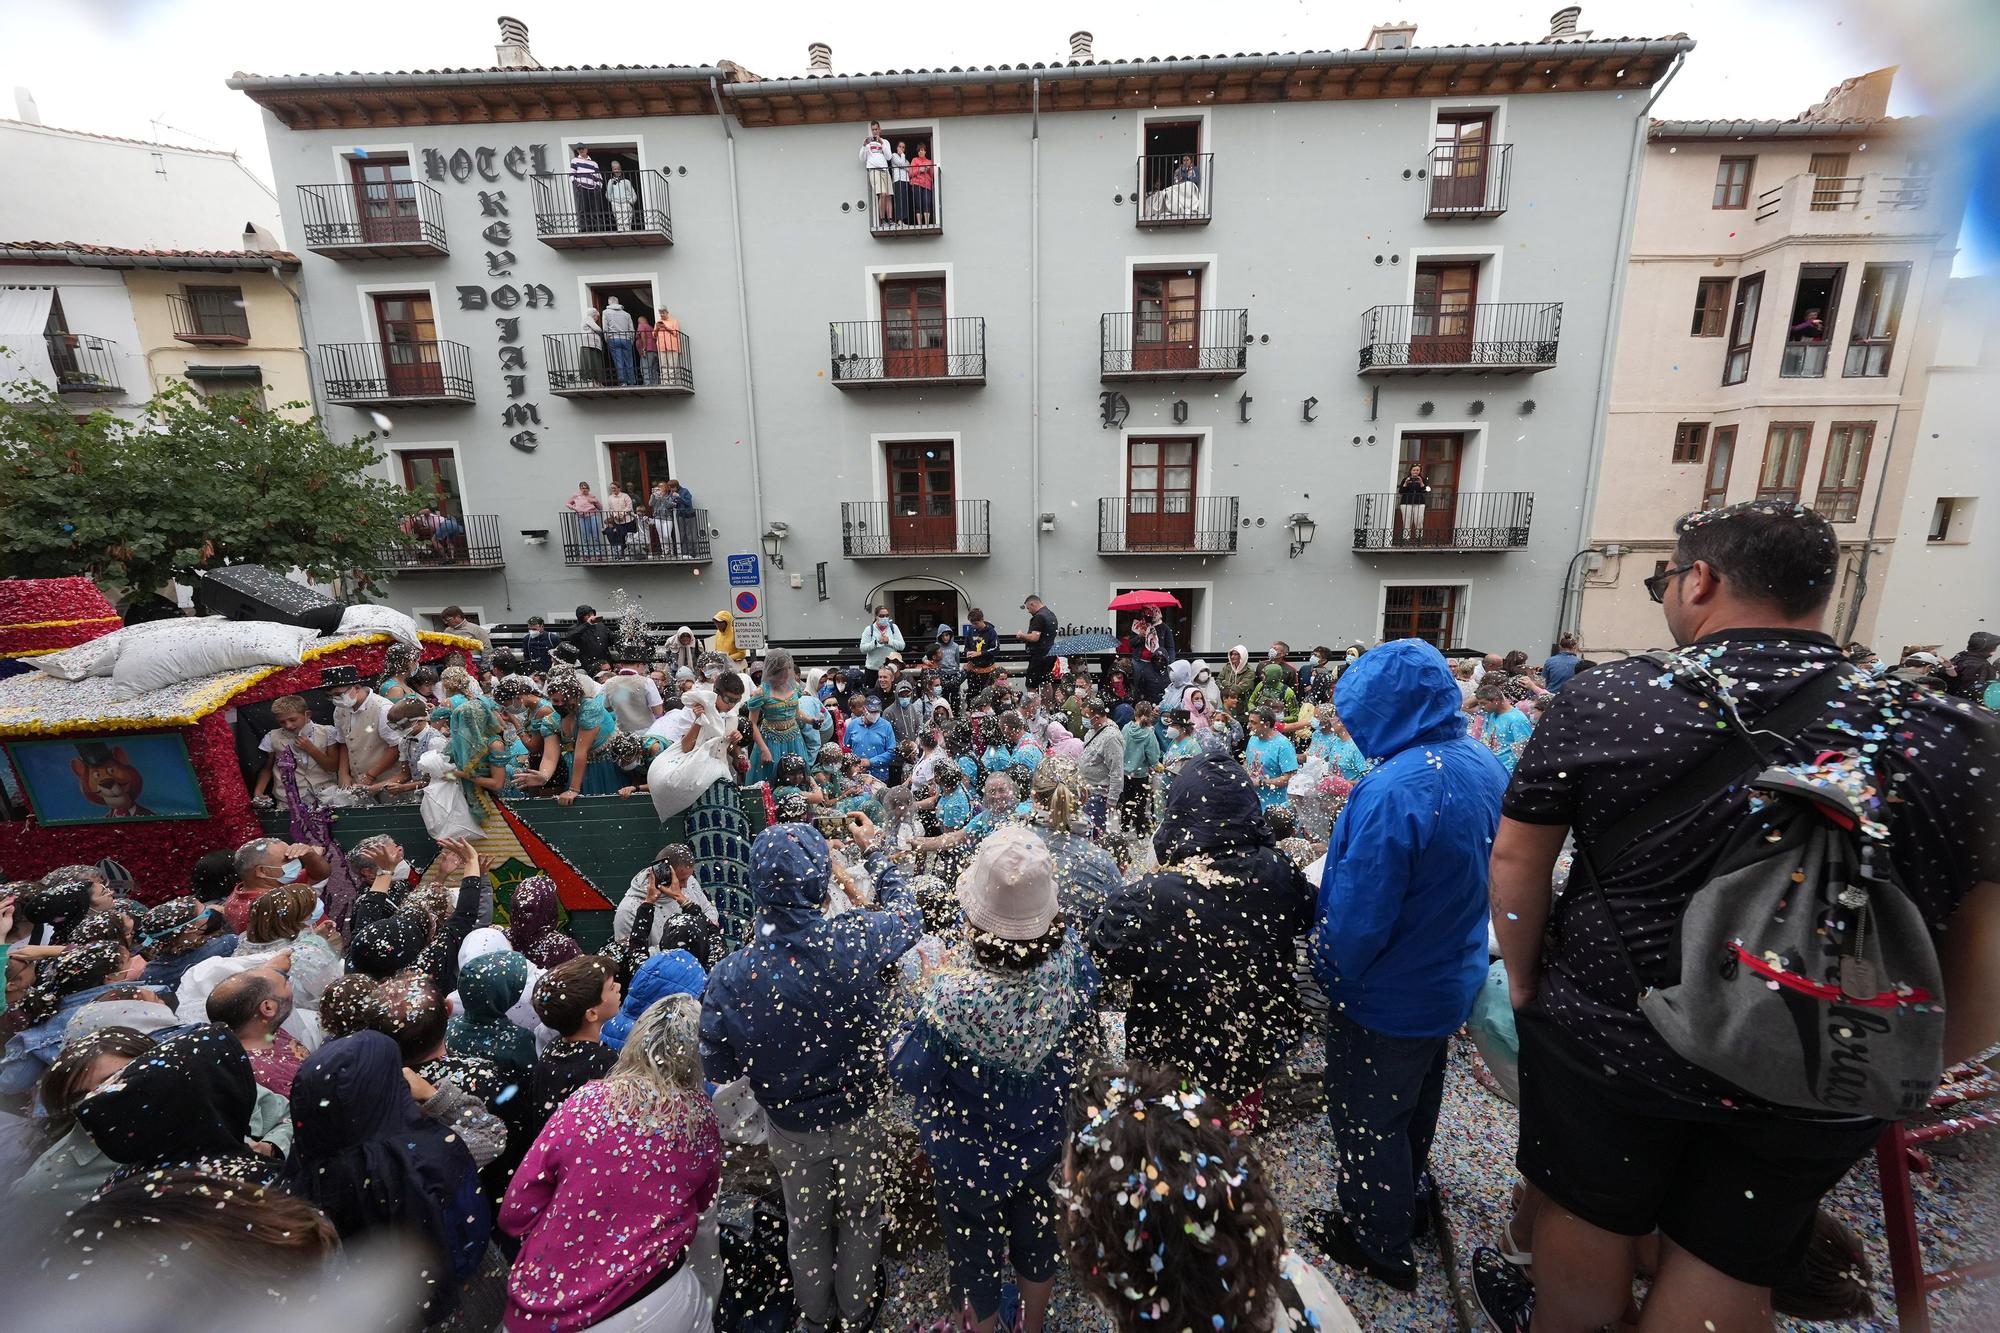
<point x="1306" y="781"/>
<point x="366" y="619"/>
<point x="446" y="814"/>
<point x="97" y="656"/>
<point x="203" y="648"/>
<point x="677" y="778"/>
<point x="737" y="1113"/>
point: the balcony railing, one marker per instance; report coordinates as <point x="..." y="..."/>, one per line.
<point x="929" y="525"/>
<point x="1461" y="521"/>
<point x="1504" y="338"/>
<point x="1200" y="345"/>
<point x="569" y="218"/>
<point x="915" y="210"/>
<point x="589" y="540"/>
<point x="83" y="363"/>
<point x="476" y="545"/>
<point x="1862" y="205"/>
<point x="1468" y="180"/>
<point x="215" y="321"/>
<point x="871" y="354"/>
<point x="1175" y="189"/>
<point x="1167" y="525"/>
<point x="383" y="220"/>
<point x="1900" y="193"/>
<point x="1804" y="360"/>
<point x="403" y="374"/>
<point x="579" y="367"/>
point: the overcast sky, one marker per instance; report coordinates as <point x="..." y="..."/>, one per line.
<point x="154" y="69"/>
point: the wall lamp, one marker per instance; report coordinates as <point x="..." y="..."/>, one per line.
<point x="774" y="537"/>
<point x="1302" y="533"/>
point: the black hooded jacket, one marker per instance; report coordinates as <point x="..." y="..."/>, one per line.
<point x="1209" y="940"/>
<point x="1972" y="669"/>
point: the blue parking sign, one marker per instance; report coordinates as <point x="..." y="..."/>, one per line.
<point x="743" y="571"/>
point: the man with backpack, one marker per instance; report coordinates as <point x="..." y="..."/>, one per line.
<point x="1627" y="1125"/>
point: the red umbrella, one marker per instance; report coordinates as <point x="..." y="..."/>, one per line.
<point x="1142" y="598"/>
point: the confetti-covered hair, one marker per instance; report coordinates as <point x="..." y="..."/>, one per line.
<point x="1169" y="1223"/>
<point x="1776" y="551"/>
<point x="67" y="973"/>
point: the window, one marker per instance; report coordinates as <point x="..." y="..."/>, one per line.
<point x="1877" y="315"/>
<point x="1427" y="613"/>
<point x="914" y="342"/>
<point x="1743" y="329"/>
<point x="216" y="312"/>
<point x="433" y="474"/>
<point x="217" y="387"/>
<point x="1462" y="161"/>
<point x="1711" y="307"/>
<point x="1159" y="493"/>
<point x="923" y="508"/>
<point x="1167" y="143"/>
<point x="1951" y="518"/>
<point x="385" y="198"/>
<point x="1784" y="460"/>
<point x="1689" y="437"/>
<point x="1732" y="182"/>
<point x="1833" y="188"/>
<point x="1441" y="324"/>
<point x="1842" y="470"/>
<point x="635" y="466"/>
<point x="1807" y="333"/>
<point x="1721" y="453"/>
<point x="1166" y="319"/>
<point x="408" y="331"/>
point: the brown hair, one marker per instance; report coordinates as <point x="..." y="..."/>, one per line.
<point x="403" y="710"/>
<point x="570" y="990"/>
<point x="281" y="914"/>
<point x="413" y="1012"/>
<point x="1005" y="955"/>
<point x="62" y="1086"/>
<point x="351" y="1004"/>
<point x="289" y="703"/>
<point x="253" y="1237"/>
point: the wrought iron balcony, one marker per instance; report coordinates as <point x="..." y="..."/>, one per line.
<point x="915" y="210"/>
<point x="476" y="545"/>
<point x="579" y="368"/>
<point x="211" y="317"/>
<point x="589" y="540"/>
<point x="1508" y="338"/>
<point x="1460" y="521"/>
<point x="83" y="363"/>
<point x="380" y="220"/>
<point x="1201" y="345"/>
<point x="1175" y="189"/>
<point x="569" y="218"/>
<point x="1167" y="525"/>
<point x="931" y="525"/>
<point x="871" y="354"/>
<point x="402" y="374"/>
<point x="1468" y="180"/>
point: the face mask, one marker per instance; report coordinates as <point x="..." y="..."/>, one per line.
<point x="402" y="870"/>
<point x="881" y="620"/>
<point x="319" y="910"/>
<point x="288" y="873"/>
<point x="1174" y="733"/>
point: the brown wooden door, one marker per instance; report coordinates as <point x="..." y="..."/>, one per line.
<point x="636" y="467"/>
<point x="1440" y="455"/>
<point x="913" y="328"/>
<point x="1441" y="324"/>
<point x="1831" y="187"/>
<point x="1166" y="319"/>
<point x="1427" y="613"/>
<point x="409" y="345"/>
<point x="1460" y="166"/>
<point x="1159" y="493"/>
<point x="433" y="474"/>
<point x="385" y="199"/>
<point x="923" y="509"/>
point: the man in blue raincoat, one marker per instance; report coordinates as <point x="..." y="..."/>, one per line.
<point x="1400" y="946"/>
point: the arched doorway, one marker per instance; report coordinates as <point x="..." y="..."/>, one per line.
<point x="921" y="604"/>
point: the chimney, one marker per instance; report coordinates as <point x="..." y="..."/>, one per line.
<point x="1397" y="36"/>
<point x="1562" y="25"/>
<point x="25" y="109"/>
<point x="513" y="52"/>
<point x="1079" y="46"/>
<point x="1863" y="97"/>
<point x="819" y="59"/>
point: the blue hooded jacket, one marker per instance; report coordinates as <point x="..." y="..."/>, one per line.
<point x="1400" y="947"/>
<point x="802" y="1010"/>
<point x="675" y="972"/>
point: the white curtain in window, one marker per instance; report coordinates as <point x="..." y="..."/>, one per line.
<point x="24" y="353"/>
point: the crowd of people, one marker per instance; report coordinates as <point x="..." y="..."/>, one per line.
<point x="1032" y="956"/>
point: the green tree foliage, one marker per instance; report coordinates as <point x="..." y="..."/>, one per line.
<point x="193" y="484"/>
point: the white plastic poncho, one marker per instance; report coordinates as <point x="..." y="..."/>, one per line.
<point x="678" y="777"/>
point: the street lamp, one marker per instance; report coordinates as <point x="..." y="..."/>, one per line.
<point x="1302" y="534"/>
<point x="774" y="537"/>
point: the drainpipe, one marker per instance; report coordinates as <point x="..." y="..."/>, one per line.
<point x="743" y="317"/>
<point x="1846" y="634"/>
<point x="1593" y="466"/>
<point x="1035" y="335"/>
<point x="305" y="341"/>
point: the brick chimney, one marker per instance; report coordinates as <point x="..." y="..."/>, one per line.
<point x="513" y="52"/>
<point x="819" y="59"/>
<point x="1079" y="46"/>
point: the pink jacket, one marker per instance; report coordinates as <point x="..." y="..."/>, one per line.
<point x="603" y="1201"/>
<point x="1062" y="742"/>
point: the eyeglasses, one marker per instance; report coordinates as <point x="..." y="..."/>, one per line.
<point x="1656" y="586"/>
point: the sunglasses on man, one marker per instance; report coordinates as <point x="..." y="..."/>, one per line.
<point x="1656" y="586"/>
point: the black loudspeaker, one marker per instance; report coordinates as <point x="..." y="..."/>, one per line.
<point x="252" y="592"/>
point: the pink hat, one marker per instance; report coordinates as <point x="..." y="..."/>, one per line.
<point x="1009" y="890"/>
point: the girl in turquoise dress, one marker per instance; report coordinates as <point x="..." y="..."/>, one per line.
<point x="776" y="726"/>
<point x="586" y="724"/>
<point x="539" y="728"/>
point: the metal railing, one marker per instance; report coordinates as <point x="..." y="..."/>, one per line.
<point x="682" y="540"/>
<point x="564" y="212"/>
<point x="209" y="319"/>
<point x="579" y="364"/>
<point x="928" y="526"/>
<point x="1468" y="180"/>
<point x="1167" y="525"/>
<point x="401" y="372"/>
<point x="380" y="219"/>
<point x="1902" y="193"/>
<point x="915" y="210"/>
<point x="83" y="363"/>
<point x="476" y="545"/>
<point x="1175" y="189"/>
<point x="1804" y="360"/>
<point x="1214" y="343"/>
<point x="875" y="352"/>
<point x="1844" y="194"/>
<point x="1513" y="334"/>
<point x="1450" y="521"/>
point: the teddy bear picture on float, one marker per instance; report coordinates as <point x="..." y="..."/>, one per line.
<point x="111" y="779"/>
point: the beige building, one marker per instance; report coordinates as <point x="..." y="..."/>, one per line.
<point x="1781" y="303"/>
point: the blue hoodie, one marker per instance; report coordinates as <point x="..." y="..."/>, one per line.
<point x="801" y="1010"/>
<point x="1401" y="943"/>
<point x="675" y="972"/>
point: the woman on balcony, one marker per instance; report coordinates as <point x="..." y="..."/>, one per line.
<point x="619" y="522"/>
<point x="1411" y="497"/>
<point x="923" y="185"/>
<point x="589" y="511"/>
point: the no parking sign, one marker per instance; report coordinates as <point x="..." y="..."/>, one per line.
<point x="749" y="608"/>
<point x="747" y="602"/>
